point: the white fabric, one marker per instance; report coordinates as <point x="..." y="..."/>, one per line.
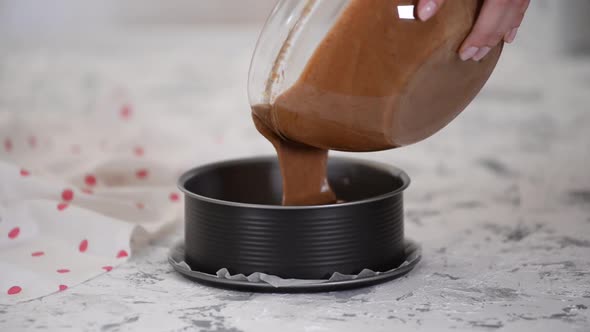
<point x="74" y="191"/>
<point x="110" y="106"/>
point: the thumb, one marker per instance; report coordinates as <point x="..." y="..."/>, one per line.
<point x="427" y="8"/>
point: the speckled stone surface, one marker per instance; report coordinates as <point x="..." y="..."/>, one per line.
<point x="500" y="199"/>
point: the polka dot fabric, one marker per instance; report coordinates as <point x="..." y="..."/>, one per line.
<point x="73" y="194"/>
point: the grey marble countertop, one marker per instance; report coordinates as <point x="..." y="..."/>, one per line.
<point x="500" y="200"/>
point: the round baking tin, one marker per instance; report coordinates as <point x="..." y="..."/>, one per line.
<point x="234" y="220"/>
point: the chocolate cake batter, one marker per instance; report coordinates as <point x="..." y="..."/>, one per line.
<point x="375" y="82"/>
<point x="303" y="169"/>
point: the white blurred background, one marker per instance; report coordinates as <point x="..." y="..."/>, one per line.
<point x="62" y="14"/>
<point x="555" y="25"/>
<point x="66" y="54"/>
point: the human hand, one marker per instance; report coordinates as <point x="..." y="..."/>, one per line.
<point x="499" y="20"/>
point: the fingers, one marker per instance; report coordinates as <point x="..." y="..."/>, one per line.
<point x="511" y="35"/>
<point x="499" y="21"/>
<point x="427" y="8"/>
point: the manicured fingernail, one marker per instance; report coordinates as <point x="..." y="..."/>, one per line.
<point x="427" y="11"/>
<point x="481" y="53"/>
<point x="511" y="35"/>
<point x="468" y="53"/>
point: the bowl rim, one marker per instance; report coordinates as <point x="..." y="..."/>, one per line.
<point x="190" y="174"/>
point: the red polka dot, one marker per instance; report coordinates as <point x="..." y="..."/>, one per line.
<point x="14" y="290"/>
<point x="87" y="191"/>
<point x="63" y="271"/>
<point x="142" y="173"/>
<point x="90" y="180"/>
<point x="32" y="141"/>
<point x="7" y="144"/>
<point x="75" y="149"/>
<point x="138" y="151"/>
<point x="83" y="245"/>
<point x="107" y="268"/>
<point x="13" y="234"/>
<point x="67" y="195"/>
<point x="24" y="173"/>
<point x="62" y="288"/>
<point x="62" y="206"/>
<point x="126" y="112"/>
<point x="140" y="206"/>
<point x="174" y="197"/>
<point x="38" y="254"/>
<point x="122" y="254"/>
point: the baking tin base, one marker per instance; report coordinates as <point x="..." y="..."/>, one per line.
<point x="413" y="254"/>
